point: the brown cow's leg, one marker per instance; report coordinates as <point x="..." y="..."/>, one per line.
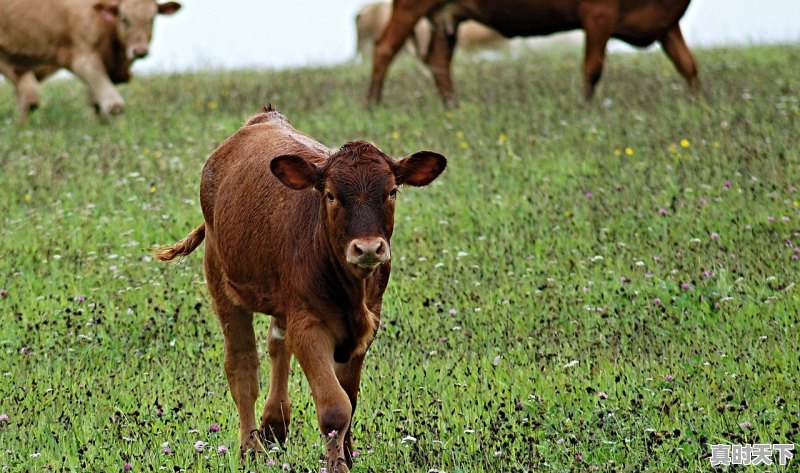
<point x="405" y="14"/>
<point x="313" y="348"/>
<point x="277" y="410"/>
<point x="349" y="375"/>
<point x="676" y="49"/>
<point x="440" y="54"/>
<point x="598" y="26"/>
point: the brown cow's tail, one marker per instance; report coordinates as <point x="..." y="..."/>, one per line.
<point x="183" y="247"/>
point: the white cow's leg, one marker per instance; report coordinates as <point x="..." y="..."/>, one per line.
<point x="26" y="87"/>
<point x="90" y="68"/>
<point x="28" y="97"/>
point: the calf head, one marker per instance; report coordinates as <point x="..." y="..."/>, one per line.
<point x="357" y="187"/>
<point x="133" y="20"/>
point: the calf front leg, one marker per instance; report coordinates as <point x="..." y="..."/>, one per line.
<point x="313" y="348"/>
<point x="90" y="68"/>
<point x="278" y="409"/>
<point x="349" y="375"/>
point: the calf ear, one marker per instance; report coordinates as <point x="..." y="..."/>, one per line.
<point x="420" y="169"/>
<point x="168" y="8"/>
<point x="294" y="172"/>
<point x="108" y="10"/>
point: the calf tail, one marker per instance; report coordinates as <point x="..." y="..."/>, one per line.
<point x="183" y="247"/>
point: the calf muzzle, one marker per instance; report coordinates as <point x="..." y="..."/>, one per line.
<point x="368" y="252"/>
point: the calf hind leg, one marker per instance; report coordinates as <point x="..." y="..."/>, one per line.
<point x="278" y="409"/>
<point x="241" y="368"/>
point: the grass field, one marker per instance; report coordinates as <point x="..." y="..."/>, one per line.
<point x="610" y="288"/>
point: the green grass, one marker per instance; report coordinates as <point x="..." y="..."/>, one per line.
<point x="525" y="280"/>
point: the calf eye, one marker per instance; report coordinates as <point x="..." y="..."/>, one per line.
<point x="330" y="196"/>
<point x="393" y="193"/>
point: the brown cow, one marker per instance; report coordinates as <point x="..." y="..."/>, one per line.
<point x="95" y="39"/>
<point x="301" y="232"/>
<point x="638" y="22"/>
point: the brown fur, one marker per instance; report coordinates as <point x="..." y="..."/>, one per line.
<point x="638" y="22"/>
<point x="301" y="232"/>
<point x="96" y="39"/>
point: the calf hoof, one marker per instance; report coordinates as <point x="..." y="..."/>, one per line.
<point x="274" y="432"/>
<point x="339" y="467"/>
<point x="253" y="444"/>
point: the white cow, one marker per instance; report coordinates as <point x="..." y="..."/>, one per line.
<point x="95" y="39"/>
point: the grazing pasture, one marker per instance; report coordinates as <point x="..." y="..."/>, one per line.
<point x="610" y="288"/>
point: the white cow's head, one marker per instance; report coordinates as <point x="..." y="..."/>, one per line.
<point x="133" y="20"/>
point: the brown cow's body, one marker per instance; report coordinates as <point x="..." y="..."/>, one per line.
<point x="95" y="39"/>
<point x="316" y="260"/>
<point x="638" y="22"/>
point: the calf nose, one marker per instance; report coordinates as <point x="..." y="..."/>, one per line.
<point x="139" y="52"/>
<point x="368" y="252"/>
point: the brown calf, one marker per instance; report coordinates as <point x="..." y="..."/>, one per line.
<point x="637" y="22"/>
<point x="302" y="233"/>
